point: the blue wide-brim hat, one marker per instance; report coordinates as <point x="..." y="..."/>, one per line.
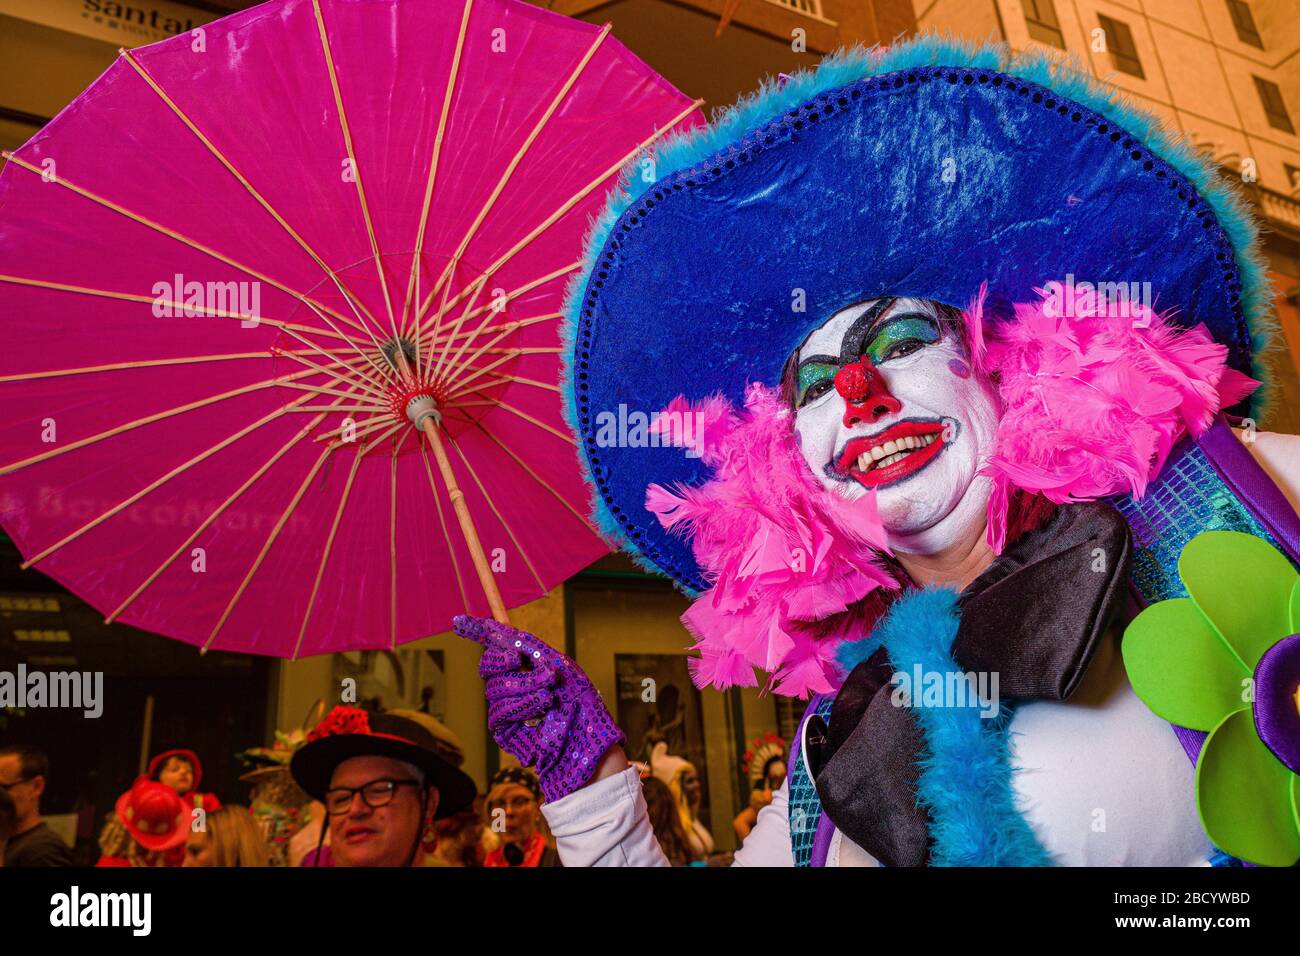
<point x="921" y="171"/>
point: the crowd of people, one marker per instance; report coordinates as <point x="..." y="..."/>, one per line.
<point x="359" y="788"/>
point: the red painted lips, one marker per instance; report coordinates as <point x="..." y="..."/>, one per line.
<point x="898" y="451"/>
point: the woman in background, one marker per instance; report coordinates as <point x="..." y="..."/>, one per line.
<point x="232" y="838"/>
<point x="666" y="821"/>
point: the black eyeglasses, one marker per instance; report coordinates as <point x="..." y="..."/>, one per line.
<point x="375" y="794"/>
<point x="10" y="786"/>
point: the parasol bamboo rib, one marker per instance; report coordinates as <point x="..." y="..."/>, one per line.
<point x="155" y="485"/>
<point x="340" y="408"/>
<point x="217" y="513"/>
<point x="243" y="181"/>
<point x="520" y="153"/>
<point x="356" y="347"/>
<point x="368" y="330"/>
<point x="442" y="521"/>
<point x="318" y="389"/>
<point x="511" y="296"/>
<point x="527" y="350"/>
<point x="325" y="553"/>
<point x="437" y="322"/>
<point x="574" y="200"/>
<point x="538" y="478"/>
<point x="514" y="325"/>
<point x="453" y="365"/>
<point x="526" y="417"/>
<point x="457" y="498"/>
<point x="459" y="321"/>
<point x="479" y="372"/>
<point x="511" y="380"/>
<point x="151" y="300"/>
<point x="364" y="382"/>
<point x="361" y="429"/>
<point x="501" y="518"/>
<point x="266" y="547"/>
<point x="352" y="157"/>
<point x="521" y="380"/>
<point x="173" y="234"/>
<point x="413" y="279"/>
<point x="483" y="386"/>
<point x="150" y="419"/>
<point x="392" y="540"/>
<point x="123" y="366"/>
<point x="459" y="366"/>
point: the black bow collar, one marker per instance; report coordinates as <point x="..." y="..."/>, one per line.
<point x="1034" y="617"/>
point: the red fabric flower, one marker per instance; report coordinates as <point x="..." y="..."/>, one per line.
<point x="341" y="720"/>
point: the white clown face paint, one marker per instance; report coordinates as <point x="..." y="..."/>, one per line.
<point x="885" y="399"/>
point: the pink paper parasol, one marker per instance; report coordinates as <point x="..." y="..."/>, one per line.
<point x="282" y="302"/>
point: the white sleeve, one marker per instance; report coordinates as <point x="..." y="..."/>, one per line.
<point x="768" y="844"/>
<point x="1279" y="456"/>
<point x="605" y="824"/>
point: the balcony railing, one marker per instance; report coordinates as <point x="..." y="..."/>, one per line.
<point x="808" y="8"/>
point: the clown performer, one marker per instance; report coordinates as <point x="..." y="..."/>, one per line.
<point x="953" y="363"/>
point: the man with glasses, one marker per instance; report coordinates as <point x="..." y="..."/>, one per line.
<point x="382" y="782"/>
<point x="23" y="770"/>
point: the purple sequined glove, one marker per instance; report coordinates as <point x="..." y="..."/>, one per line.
<point x="541" y="706"/>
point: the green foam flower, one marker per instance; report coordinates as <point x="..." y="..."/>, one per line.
<point x="1195" y="661"/>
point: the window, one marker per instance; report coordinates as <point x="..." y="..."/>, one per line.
<point x="1119" y="41"/>
<point x="1242" y="19"/>
<point x="1292" y="176"/>
<point x="1274" y="108"/>
<point x="1040" y="17"/>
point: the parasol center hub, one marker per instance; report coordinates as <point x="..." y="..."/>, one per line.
<point x="421" y="405"/>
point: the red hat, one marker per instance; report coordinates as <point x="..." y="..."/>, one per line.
<point x="157" y="763"/>
<point x="154" y="814"/>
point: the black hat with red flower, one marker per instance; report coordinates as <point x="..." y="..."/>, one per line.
<point x="348" y="732"/>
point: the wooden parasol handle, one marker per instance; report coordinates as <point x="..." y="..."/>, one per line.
<point x="485" y="576"/>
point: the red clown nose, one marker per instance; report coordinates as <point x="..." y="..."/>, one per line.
<point x="864" y="392"/>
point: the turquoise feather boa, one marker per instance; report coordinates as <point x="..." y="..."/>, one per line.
<point x="965" y="781"/>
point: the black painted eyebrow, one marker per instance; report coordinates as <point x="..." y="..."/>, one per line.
<point x="820" y="360"/>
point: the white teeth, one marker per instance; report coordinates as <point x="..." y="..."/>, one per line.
<point x="891" y="451"/>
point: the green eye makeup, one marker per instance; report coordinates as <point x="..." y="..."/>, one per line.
<point x="896" y="332"/>
<point x="810" y="374"/>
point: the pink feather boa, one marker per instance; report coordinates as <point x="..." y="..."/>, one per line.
<point x="788" y="561"/>
<point x="1093" y="400"/>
